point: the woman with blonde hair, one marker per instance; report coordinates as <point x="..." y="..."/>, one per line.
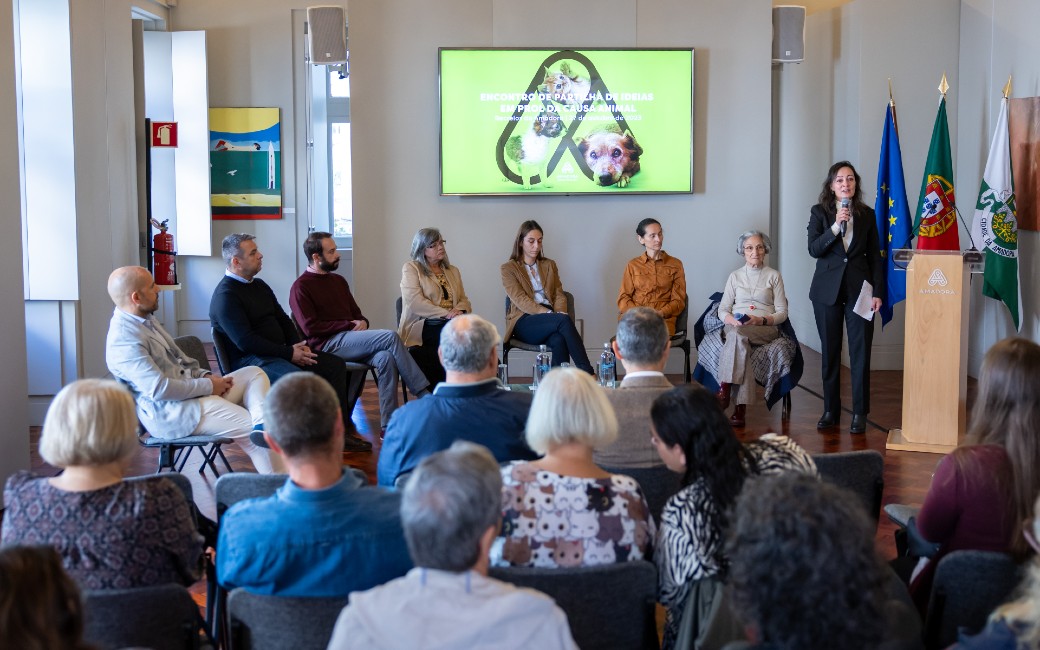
<point x="110" y="533"/>
<point x="983" y="492"/>
<point x="563" y="510"/>
<point x="431" y="295"/>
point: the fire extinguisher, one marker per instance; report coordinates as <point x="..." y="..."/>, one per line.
<point x="164" y="257"/>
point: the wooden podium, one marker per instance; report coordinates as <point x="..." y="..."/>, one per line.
<point x="935" y="373"/>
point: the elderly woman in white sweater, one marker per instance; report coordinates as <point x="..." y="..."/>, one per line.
<point x="752" y="305"/>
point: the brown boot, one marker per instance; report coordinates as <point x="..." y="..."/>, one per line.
<point x="723" y="396"/>
<point x="737" y="419"/>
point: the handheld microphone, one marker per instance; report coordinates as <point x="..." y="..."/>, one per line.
<point x="844" y="224"/>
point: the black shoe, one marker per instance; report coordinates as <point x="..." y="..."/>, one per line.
<point x="859" y="423"/>
<point x="827" y="421"/>
<point x="257" y="438"/>
<point x="352" y="443"/>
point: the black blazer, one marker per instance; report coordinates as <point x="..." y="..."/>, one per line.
<point x="835" y="265"/>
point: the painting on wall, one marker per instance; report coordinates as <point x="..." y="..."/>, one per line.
<point x="1024" y="133"/>
<point x="245" y="163"/>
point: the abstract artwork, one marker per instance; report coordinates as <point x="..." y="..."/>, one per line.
<point x="245" y="162"/>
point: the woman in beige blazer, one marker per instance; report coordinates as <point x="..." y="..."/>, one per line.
<point x="537" y="307"/>
<point x="431" y="295"/>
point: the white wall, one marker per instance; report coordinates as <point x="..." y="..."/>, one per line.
<point x="394" y="90"/>
<point x="14" y="435"/>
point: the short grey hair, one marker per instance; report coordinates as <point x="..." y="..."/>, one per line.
<point x="423" y="239"/>
<point x="748" y="234"/>
<point x="300" y="414"/>
<point x="451" y="499"/>
<point x="90" y="422"/>
<point x="570" y="407"/>
<point x="231" y="246"/>
<point x="642" y="336"/>
<point x="466" y="343"/>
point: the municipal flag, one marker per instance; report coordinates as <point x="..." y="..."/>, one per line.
<point x="995" y="226"/>
<point x="936" y="221"/>
<point x="893" y="214"/>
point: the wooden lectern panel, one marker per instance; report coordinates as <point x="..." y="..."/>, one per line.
<point x="935" y="355"/>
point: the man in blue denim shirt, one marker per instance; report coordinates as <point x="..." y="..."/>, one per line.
<point x="324" y="533"/>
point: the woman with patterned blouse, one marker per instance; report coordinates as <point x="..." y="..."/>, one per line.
<point x="110" y="533"/>
<point x="563" y="510"/>
<point x="694" y="438"/>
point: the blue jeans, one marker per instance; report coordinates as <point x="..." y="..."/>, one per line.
<point x="329" y="367"/>
<point x="556" y="331"/>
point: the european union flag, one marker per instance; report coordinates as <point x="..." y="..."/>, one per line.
<point x="893" y="216"/>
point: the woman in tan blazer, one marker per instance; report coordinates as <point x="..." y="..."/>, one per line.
<point x="538" y="309"/>
<point x="431" y="295"/>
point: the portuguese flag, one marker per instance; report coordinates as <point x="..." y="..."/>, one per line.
<point x="936" y="221"/>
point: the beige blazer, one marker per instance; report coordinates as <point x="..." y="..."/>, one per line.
<point x="520" y="291"/>
<point x="631" y="402"/>
<point x="421" y="298"/>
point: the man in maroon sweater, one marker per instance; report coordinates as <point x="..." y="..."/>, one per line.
<point x="332" y="322"/>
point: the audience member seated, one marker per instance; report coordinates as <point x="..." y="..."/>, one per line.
<point x="655" y="279"/>
<point x="331" y="320"/>
<point x="984" y="490"/>
<point x="642" y="347"/>
<point x="324" y="533"/>
<point x="1015" y="625"/>
<point x="245" y="310"/>
<point x="175" y="397"/>
<point x="431" y="295"/>
<point x="695" y="439"/>
<point x="110" y="533"/>
<point x="470" y="405"/>
<point x="40" y="606"/>
<point x="537" y="306"/>
<point x="563" y="510"/>
<point x="753" y="304"/>
<point x="451" y="514"/>
<point x="805" y="574"/>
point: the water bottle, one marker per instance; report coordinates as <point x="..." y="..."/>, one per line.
<point x="607" y="366"/>
<point x="542" y="363"/>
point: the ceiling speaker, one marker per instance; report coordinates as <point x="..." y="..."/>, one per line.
<point x="327" y="27"/>
<point x="788" y="34"/>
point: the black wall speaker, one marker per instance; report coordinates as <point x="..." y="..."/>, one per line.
<point x="788" y="34"/>
<point x="327" y="27"/>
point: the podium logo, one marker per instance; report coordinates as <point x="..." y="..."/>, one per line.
<point x="937" y="279"/>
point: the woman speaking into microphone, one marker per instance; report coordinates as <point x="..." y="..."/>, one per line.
<point x="843" y="239"/>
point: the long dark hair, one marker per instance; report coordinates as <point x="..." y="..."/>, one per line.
<point x="690" y="416"/>
<point x="827" y="197"/>
<point x="518" y="244"/>
<point x="39" y="603"/>
<point x="1006" y="413"/>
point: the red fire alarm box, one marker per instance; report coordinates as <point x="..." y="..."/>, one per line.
<point x="164" y="134"/>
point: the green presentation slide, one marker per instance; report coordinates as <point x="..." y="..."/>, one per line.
<point x="526" y="121"/>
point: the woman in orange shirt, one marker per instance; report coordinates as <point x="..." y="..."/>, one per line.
<point x="655" y="279"/>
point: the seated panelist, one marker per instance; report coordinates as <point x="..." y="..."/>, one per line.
<point x="753" y="304"/>
<point x="655" y="279"/>
<point x="431" y="295"/>
<point x="538" y="309"/>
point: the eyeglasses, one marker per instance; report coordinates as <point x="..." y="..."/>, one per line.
<point x="1028" y="532"/>
<point x="753" y="249"/>
<point x="439" y="244"/>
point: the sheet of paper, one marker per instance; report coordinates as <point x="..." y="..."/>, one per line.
<point x="863" y="306"/>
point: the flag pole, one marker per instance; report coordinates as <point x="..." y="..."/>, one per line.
<point x="943" y="86"/>
<point x="1007" y="87"/>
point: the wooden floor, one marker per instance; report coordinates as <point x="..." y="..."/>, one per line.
<point x="907" y="474"/>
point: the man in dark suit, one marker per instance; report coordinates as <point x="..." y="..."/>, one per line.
<point x="642" y="346"/>
<point x="842" y="236"/>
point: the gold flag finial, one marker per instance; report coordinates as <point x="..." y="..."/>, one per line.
<point x="943" y="86"/>
<point x="1007" y="87"/>
<point x="891" y="101"/>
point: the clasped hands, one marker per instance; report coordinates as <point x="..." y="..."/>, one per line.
<point x="302" y="355"/>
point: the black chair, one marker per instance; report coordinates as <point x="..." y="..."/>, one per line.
<point x="275" y="622"/>
<point x="968" y="586"/>
<point x="658" y="485"/>
<point x="163" y="617"/>
<point x="174" y="452"/>
<point x="608" y="606"/>
<point x="681" y="340"/>
<point x="515" y="343"/>
<point x="861" y="472"/>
